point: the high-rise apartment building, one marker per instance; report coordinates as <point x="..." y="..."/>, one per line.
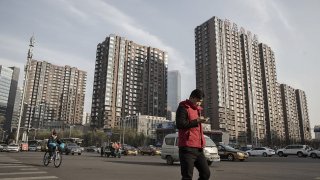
<point x="174" y="90"/>
<point x="238" y="75"/>
<point x="303" y="115"/>
<point x="129" y="79"/>
<point x="9" y="77"/>
<point x="219" y="73"/>
<point x="53" y="94"/>
<point x="272" y="98"/>
<point x="253" y="88"/>
<point x="290" y="113"/>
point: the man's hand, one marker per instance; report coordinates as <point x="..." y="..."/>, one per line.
<point x="202" y="119"/>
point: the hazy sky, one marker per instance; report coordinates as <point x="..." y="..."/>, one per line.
<point x="68" y="31"/>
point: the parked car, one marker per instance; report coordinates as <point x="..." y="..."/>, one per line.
<point x="170" y="149"/>
<point x="300" y="150"/>
<point x="315" y="153"/>
<point x="129" y="150"/>
<point x="150" y="150"/>
<point x="261" y="151"/>
<point x="3" y="147"/>
<point x="231" y="154"/>
<point x="73" y="148"/>
<point x="32" y="147"/>
<point x="13" y="148"/>
<point x="91" y="149"/>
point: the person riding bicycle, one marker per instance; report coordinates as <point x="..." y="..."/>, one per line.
<point x="53" y="141"/>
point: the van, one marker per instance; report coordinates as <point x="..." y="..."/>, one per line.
<point x="170" y="150"/>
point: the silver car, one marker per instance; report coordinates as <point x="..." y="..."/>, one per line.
<point x="315" y="153"/>
<point x="261" y="151"/>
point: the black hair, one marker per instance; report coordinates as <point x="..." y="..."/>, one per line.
<point x="197" y="93"/>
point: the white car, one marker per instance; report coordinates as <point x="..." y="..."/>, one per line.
<point x="13" y="148"/>
<point x="170" y="150"/>
<point x="314" y="153"/>
<point x="299" y="150"/>
<point x="261" y="151"/>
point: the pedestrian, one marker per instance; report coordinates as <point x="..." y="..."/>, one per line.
<point x="191" y="138"/>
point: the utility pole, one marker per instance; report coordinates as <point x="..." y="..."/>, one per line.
<point x="26" y="75"/>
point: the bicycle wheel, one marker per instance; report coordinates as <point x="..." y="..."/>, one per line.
<point x="57" y="160"/>
<point x="46" y="159"/>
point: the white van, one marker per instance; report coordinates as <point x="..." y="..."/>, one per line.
<point x="170" y="149"/>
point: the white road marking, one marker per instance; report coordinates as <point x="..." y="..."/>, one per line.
<point x="29" y="169"/>
<point x="18" y="173"/>
<point x="30" y="178"/>
<point x="2" y="167"/>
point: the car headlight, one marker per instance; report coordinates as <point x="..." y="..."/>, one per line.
<point x="206" y="151"/>
<point x="240" y="154"/>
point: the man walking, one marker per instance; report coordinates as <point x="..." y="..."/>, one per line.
<point x="191" y="138"/>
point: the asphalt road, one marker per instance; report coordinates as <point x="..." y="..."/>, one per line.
<point x="90" y="166"/>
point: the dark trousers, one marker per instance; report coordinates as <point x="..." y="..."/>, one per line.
<point x="190" y="158"/>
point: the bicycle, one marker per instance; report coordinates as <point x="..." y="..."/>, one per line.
<point x="57" y="158"/>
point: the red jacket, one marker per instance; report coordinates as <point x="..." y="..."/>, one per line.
<point x="190" y="131"/>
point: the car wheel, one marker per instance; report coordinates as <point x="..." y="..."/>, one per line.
<point x="313" y="155"/>
<point x="280" y="154"/>
<point x="264" y="154"/>
<point x="230" y="157"/>
<point x="72" y="153"/>
<point x="79" y="154"/>
<point x="169" y="160"/>
<point x="209" y="163"/>
<point x="249" y="154"/>
<point x="299" y="154"/>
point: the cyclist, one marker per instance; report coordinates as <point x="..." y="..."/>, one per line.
<point x="53" y="141"/>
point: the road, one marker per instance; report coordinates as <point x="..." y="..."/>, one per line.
<point x="90" y="166"/>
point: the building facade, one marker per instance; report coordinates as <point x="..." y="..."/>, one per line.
<point x="9" y="77"/>
<point x="290" y="114"/>
<point x="54" y="95"/>
<point x="174" y="90"/>
<point x="142" y="124"/>
<point x="129" y="79"/>
<point x="303" y="115"/>
<point x="238" y="76"/>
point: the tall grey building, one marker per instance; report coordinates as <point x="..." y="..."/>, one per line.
<point x="303" y="115"/>
<point x="238" y="75"/>
<point x="290" y="113"/>
<point x="53" y="94"/>
<point x="271" y="92"/>
<point x="219" y="73"/>
<point x="174" y="90"/>
<point x="9" y="77"/>
<point x="129" y="79"/>
<point x="16" y="109"/>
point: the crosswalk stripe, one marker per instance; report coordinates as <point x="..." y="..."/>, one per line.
<point x="18" y="173"/>
<point x="2" y="167"/>
<point x="29" y="169"/>
<point x="30" y="178"/>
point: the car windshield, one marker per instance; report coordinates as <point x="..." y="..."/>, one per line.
<point x="228" y="148"/>
<point x="210" y="143"/>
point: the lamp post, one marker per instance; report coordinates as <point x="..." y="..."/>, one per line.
<point x="26" y="76"/>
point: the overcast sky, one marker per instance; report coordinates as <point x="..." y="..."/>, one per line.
<point x="68" y="31"/>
